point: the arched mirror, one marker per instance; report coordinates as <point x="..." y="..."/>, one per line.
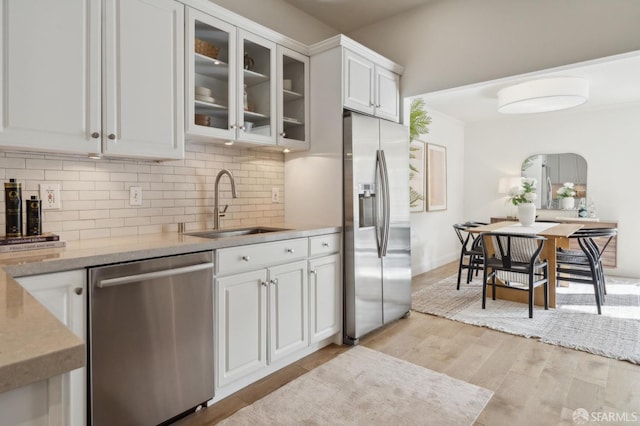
<point x="552" y="171"/>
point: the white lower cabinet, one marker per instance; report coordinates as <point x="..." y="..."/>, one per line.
<point x="60" y="400"/>
<point x="325" y="286"/>
<point x="262" y="316"/>
<point x="241" y="324"/>
<point x="325" y="301"/>
<point x="288" y="309"/>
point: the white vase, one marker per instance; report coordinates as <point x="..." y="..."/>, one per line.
<point x="526" y="213"/>
<point x="567" y="203"/>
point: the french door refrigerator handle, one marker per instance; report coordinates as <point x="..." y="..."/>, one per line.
<point x="379" y="200"/>
<point x="152" y="275"/>
<point x="386" y="211"/>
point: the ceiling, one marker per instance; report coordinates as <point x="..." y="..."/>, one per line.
<point x="612" y="80"/>
<point x="349" y="15"/>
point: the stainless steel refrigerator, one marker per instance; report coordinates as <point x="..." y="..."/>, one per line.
<point x="377" y="247"/>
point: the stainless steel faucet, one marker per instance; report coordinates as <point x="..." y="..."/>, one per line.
<point x="217" y="214"/>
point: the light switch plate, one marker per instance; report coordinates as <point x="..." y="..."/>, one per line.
<point x="275" y="195"/>
<point x="50" y="196"/>
<point x="135" y="196"/>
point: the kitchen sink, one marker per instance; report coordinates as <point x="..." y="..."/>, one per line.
<point x="235" y="232"/>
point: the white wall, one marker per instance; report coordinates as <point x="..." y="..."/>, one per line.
<point x="282" y="17"/>
<point x="433" y="241"/>
<point x="451" y="43"/>
<point x="607" y="139"/>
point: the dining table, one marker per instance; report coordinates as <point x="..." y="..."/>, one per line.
<point x="557" y="235"/>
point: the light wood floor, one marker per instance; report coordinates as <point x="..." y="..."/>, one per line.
<point x="533" y="383"/>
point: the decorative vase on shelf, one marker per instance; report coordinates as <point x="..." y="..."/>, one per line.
<point x="567" y="203"/>
<point x="526" y="213"/>
<point x="248" y="62"/>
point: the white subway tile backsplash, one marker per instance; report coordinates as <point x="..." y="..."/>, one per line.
<point x="95" y="193"/>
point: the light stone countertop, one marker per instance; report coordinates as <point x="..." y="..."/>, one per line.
<point x="34" y="345"/>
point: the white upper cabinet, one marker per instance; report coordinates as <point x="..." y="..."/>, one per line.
<point x="54" y="71"/>
<point x="387" y="94"/>
<point x="293" y="99"/>
<point x="50" y="71"/>
<point x="231" y="84"/>
<point x="257" y="87"/>
<point x="358" y="82"/>
<point x="143" y="76"/>
<point x="369" y="87"/>
<point x="245" y="85"/>
<point x="211" y="56"/>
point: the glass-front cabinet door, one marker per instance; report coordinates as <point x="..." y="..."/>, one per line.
<point x="211" y="90"/>
<point x="257" y="89"/>
<point x="293" y="99"/>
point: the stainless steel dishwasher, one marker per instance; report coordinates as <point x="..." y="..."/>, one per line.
<point x="151" y="339"/>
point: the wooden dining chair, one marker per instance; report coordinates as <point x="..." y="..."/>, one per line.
<point x="515" y="258"/>
<point x="585" y="265"/>
<point x="471" y="250"/>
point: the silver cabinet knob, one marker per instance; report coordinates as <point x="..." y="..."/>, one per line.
<point x="283" y="134"/>
<point x="290" y="250"/>
<point x="246" y="258"/>
<point x="325" y="244"/>
<point x="274" y="281"/>
<point x="95" y="135"/>
<point x="243" y="128"/>
<point x="314" y="271"/>
<point x="264" y="283"/>
<point x="233" y="126"/>
<point x="112" y="136"/>
<point x="78" y="290"/>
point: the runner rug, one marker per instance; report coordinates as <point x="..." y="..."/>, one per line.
<point x="365" y="387"/>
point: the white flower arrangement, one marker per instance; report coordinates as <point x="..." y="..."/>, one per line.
<point x="566" y="191"/>
<point x="524" y="193"/>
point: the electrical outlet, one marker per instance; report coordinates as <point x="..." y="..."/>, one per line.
<point x="50" y="196"/>
<point x="275" y="195"/>
<point x="135" y="196"/>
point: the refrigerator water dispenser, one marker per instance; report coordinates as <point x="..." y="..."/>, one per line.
<point x="367" y="202"/>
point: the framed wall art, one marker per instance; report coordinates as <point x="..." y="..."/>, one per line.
<point x="436" y="171"/>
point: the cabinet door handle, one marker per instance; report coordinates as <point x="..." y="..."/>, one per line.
<point x="313" y="271"/>
<point x="283" y="134"/>
<point x="243" y="128"/>
<point x="264" y="283"/>
<point x="233" y="126"/>
<point x="290" y="250"/>
<point x="112" y="136"/>
<point x="274" y="281"/>
<point x="246" y="258"/>
<point x="78" y="290"/>
<point x="95" y="135"/>
<point x="325" y="244"/>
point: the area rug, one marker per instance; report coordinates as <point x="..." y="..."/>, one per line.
<point x="365" y="387"/>
<point x="573" y="324"/>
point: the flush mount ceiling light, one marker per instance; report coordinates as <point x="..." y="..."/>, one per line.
<point x="548" y="94"/>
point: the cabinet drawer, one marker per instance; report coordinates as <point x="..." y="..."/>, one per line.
<point x="249" y="257"/>
<point x="324" y="244"/>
